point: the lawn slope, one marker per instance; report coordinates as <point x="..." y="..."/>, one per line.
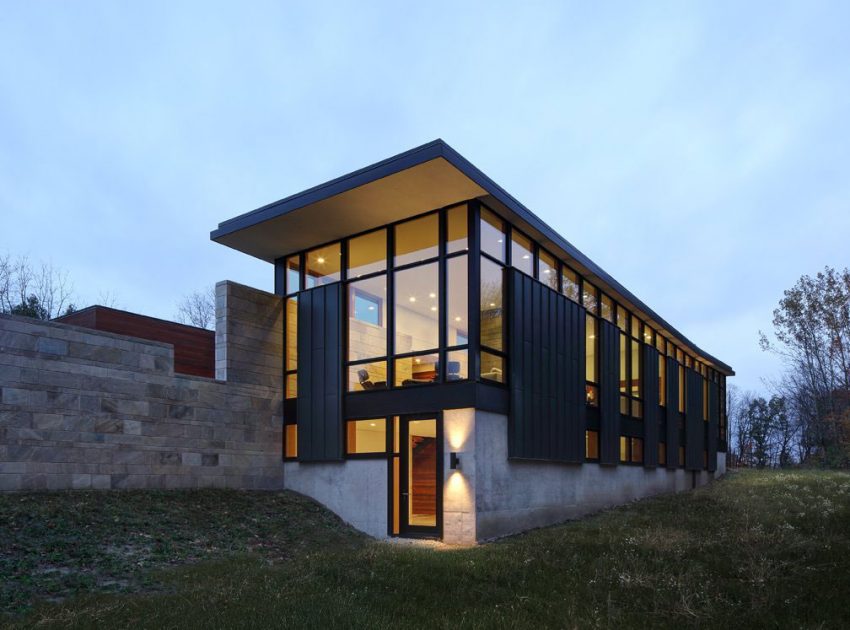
<point x="754" y="550"/>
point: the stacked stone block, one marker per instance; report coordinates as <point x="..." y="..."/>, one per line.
<point x="88" y="409"/>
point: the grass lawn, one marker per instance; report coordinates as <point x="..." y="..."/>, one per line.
<point x="754" y="550"/>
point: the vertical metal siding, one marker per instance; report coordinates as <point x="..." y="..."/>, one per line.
<point x="672" y="428"/>
<point x="609" y="393"/>
<point x="546" y="382"/>
<point x="650" y="406"/>
<point x="694" y="424"/>
<point x="320" y="374"/>
<point x="713" y="424"/>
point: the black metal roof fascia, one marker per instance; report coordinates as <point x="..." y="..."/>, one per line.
<point x="533" y="220"/>
<point x="429" y="151"/>
<point x="363" y="176"/>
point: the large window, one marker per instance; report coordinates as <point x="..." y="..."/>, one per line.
<point x="364" y="437"/>
<point x="492" y="321"/>
<point x="547" y="269"/>
<point x="591" y="364"/>
<point x="367" y="254"/>
<point x="417" y="306"/>
<point x="417" y="240"/>
<point x="631" y="364"/>
<point x="492" y="235"/>
<point x="323" y="266"/>
<point x="522" y="252"/>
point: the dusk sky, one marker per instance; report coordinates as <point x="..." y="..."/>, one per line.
<point x="713" y="134"/>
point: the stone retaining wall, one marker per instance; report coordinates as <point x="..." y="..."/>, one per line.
<point x="87" y="409"/>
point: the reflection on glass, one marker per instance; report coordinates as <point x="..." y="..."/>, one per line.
<point x="492" y="323"/>
<point x="323" y="266"/>
<point x="292" y="385"/>
<point x="293" y="275"/>
<point x="421" y="369"/>
<point x="591" y="395"/>
<point x="457" y="228"/>
<point x="366" y="376"/>
<point x="589" y="297"/>
<point x="366" y="436"/>
<point x="622" y="318"/>
<point x="547" y="270"/>
<point x="422" y="473"/>
<point x="492" y="235"/>
<point x="417" y="307"/>
<point x="417" y="239"/>
<point x="457" y="309"/>
<point x="492" y="367"/>
<point x="457" y="365"/>
<point x="522" y="254"/>
<point x="291" y="439"/>
<point x="624" y="449"/>
<point x="367" y="318"/>
<point x="367" y="254"/>
<point x="607" y="308"/>
<point x="569" y="283"/>
<point x="662" y="381"/>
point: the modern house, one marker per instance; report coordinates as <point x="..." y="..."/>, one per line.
<point x="456" y="369"/>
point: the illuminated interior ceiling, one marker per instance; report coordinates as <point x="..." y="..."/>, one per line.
<point x="432" y="184"/>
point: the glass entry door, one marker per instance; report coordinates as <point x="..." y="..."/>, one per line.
<point x="420" y="481"/>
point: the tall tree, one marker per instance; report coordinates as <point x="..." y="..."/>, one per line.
<point x="812" y="334"/>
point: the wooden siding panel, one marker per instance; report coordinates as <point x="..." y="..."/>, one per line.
<point x="672" y="420"/>
<point x="320" y="313"/>
<point x="546" y="411"/>
<point x="609" y="393"/>
<point x="194" y="348"/>
<point x="650" y="406"/>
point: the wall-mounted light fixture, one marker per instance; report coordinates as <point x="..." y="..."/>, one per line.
<point x="454" y="461"/>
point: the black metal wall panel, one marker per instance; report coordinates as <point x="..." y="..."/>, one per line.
<point x="650" y="406"/>
<point x="546" y="346"/>
<point x="713" y="424"/>
<point x="694" y="424"/>
<point x="320" y="315"/>
<point x="609" y="393"/>
<point x="672" y="428"/>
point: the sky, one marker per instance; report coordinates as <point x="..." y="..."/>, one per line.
<point x="711" y="135"/>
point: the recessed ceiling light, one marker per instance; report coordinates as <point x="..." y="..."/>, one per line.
<point x="525" y="257"/>
<point x="499" y="241"/>
<point x="492" y="304"/>
<point x="371" y="308"/>
<point x="320" y="260"/>
<point x="372" y="424"/>
<point x="433" y="308"/>
<point x="457" y="319"/>
<point x="412" y="299"/>
<point x="432" y="295"/>
<point x="547" y="271"/>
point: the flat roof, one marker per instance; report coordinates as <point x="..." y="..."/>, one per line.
<point x="424" y="178"/>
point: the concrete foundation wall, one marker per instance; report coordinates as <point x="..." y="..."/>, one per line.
<point x="512" y="496"/>
<point x="87" y="409"/>
<point x="355" y="490"/>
